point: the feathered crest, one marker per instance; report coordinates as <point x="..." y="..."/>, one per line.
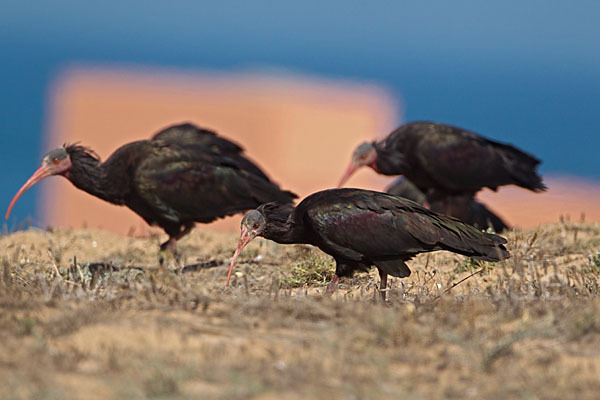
<point x="276" y="211"/>
<point x="77" y="148"/>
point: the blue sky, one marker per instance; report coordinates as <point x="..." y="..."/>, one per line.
<point x="524" y="72"/>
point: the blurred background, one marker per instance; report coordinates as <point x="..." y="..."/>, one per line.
<point x="299" y="85"/>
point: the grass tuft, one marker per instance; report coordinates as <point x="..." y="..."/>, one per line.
<point x="314" y="268"/>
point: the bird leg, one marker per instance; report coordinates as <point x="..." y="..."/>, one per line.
<point x="167" y="249"/>
<point x="170" y="246"/>
<point x="172" y="242"/>
<point x="333" y="285"/>
<point x="383" y="285"/>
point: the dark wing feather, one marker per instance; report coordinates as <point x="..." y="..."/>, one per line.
<point x="193" y="137"/>
<point x="378" y="226"/>
<point x="186" y="185"/>
<point x="450" y="159"/>
<point x="460" y="160"/>
<point x="190" y="134"/>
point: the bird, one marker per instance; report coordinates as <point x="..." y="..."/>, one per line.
<point x="464" y="207"/>
<point x="402" y="187"/>
<point x="443" y="160"/>
<point x="360" y="228"/>
<point x="170" y="180"/>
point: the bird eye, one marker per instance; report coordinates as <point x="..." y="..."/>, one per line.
<point x="255" y="226"/>
<point x="55" y="161"/>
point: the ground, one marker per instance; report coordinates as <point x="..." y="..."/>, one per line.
<point x="87" y="314"/>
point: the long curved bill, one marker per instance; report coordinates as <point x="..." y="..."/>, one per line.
<point x="349" y="171"/>
<point x="37" y="176"/>
<point x="245" y="238"/>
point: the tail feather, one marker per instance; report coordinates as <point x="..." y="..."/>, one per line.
<point x="523" y="169"/>
<point x="469" y="241"/>
<point x="265" y="191"/>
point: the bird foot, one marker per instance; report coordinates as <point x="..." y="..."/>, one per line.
<point x="332" y="286"/>
<point x="169" y="259"/>
<point x="383" y="294"/>
<point x="168" y="254"/>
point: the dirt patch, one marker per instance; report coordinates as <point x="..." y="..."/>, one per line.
<point x="87" y="314"/>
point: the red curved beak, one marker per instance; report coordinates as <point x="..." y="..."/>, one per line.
<point x="42" y="172"/>
<point x="349" y="171"/>
<point x="245" y="238"/>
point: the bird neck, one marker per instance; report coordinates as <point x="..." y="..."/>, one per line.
<point x="281" y="226"/>
<point x="373" y="165"/>
<point x="283" y="233"/>
<point x="89" y="175"/>
<point x="389" y="162"/>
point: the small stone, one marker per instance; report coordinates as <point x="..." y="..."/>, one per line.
<point x="280" y="365"/>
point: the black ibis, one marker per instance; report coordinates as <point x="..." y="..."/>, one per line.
<point x="443" y="160"/>
<point x="360" y="228"/>
<point x="170" y="180"/>
<point x="464" y="207"/>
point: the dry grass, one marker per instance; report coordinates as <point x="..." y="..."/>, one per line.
<point x="82" y="316"/>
